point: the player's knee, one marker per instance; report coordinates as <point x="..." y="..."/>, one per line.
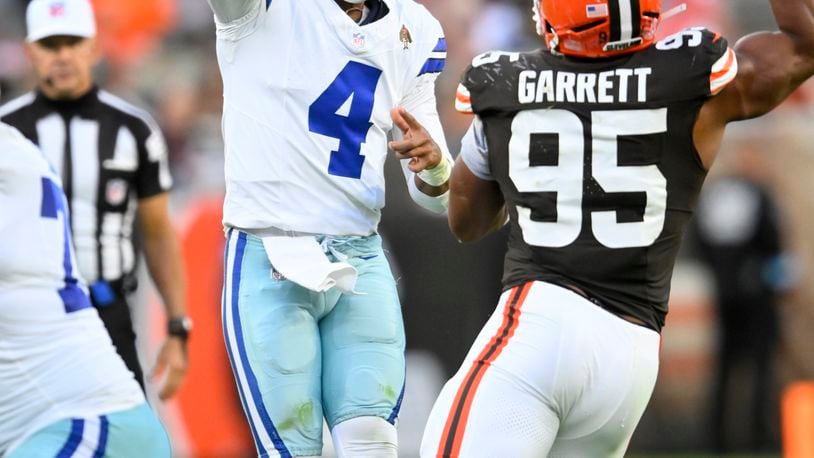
<point x="365" y="437"/>
<point x="366" y="386"/>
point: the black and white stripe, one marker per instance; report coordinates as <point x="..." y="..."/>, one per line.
<point x="110" y="154"/>
<point x="626" y="19"/>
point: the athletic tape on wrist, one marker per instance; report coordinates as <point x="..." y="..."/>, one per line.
<point x="437" y="175"/>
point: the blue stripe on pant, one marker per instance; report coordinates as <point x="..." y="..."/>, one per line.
<point x="131" y="433"/>
<point x="77" y="428"/>
<point x="100" y="449"/>
<point x="245" y="378"/>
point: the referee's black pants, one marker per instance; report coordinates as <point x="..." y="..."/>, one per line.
<point x="119" y="324"/>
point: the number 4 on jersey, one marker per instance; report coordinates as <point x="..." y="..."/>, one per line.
<point x="356" y="82"/>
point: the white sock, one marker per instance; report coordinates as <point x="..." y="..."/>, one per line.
<point x="365" y="437"/>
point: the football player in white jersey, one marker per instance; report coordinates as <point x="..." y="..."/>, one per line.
<point x="64" y="391"/>
<point x="315" y="94"/>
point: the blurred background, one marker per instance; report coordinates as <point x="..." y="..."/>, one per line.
<point x="159" y="54"/>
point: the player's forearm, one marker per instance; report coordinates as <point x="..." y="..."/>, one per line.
<point x="476" y="206"/>
<point x="470" y="222"/>
<point x="432" y="198"/>
<point x="163" y="255"/>
<point x="231" y="10"/>
<point x="795" y="19"/>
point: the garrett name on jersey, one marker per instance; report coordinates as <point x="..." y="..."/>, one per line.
<point x="696" y="56"/>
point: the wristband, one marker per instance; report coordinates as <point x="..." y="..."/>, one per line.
<point x="180" y="327"/>
<point x="437" y="175"/>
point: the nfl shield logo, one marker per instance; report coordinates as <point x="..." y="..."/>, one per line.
<point x="358" y="40"/>
<point x="57" y="9"/>
<point x="116" y="191"/>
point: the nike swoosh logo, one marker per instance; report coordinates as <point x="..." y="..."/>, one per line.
<point x="368" y="257"/>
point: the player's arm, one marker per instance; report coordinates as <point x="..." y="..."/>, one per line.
<point x="162" y="251"/>
<point x="771" y="65"/>
<point x="227" y="11"/>
<point x="419" y="140"/>
<point x="420" y="145"/>
<point x="426" y="163"/>
<point x="476" y="204"/>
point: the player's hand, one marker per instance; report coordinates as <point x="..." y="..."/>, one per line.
<point x="172" y="359"/>
<point x="417" y="144"/>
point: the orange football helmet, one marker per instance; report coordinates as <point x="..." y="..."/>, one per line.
<point x="597" y="28"/>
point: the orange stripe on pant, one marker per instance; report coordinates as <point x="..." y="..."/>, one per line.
<point x="455" y="426"/>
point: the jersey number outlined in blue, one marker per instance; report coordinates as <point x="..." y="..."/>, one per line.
<point x="53" y="203"/>
<point x="357" y="82"/>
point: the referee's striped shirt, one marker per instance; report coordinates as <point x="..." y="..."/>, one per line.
<point x="110" y="155"/>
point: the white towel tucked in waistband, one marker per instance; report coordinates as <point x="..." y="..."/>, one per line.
<point x="302" y="260"/>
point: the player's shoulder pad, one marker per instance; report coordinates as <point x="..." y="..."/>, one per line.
<point x="708" y="51"/>
<point x="487" y="70"/>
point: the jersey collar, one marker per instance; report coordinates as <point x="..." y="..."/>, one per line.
<point x="357" y="38"/>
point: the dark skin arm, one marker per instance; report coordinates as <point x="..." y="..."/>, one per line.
<point x="771" y="65"/>
<point x="476" y="206"/>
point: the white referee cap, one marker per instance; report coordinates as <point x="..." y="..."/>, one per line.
<point x="46" y="18"/>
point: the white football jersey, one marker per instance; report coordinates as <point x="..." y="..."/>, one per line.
<point x="56" y="358"/>
<point x="307" y="99"/>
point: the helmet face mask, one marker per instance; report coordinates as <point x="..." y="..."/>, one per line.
<point x="597" y="28"/>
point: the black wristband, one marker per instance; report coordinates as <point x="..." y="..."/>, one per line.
<point x="180" y="327"/>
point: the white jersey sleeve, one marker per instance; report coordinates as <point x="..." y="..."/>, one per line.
<point x="475" y="152"/>
<point x="236" y="19"/>
<point x="420" y="102"/>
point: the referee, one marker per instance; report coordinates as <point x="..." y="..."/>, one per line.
<point x="113" y="162"/>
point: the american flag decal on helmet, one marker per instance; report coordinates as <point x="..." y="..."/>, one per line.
<point x="600" y="10"/>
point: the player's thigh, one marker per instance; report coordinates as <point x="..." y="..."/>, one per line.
<point x="273" y="344"/>
<point x="363" y="348"/>
<point x="613" y="437"/>
<point x="496" y="405"/>
<point x="503" y="418"/>
<point x="136" y="433"/>
<point x="131" y="433"/>
<point x="603" y="418"/>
